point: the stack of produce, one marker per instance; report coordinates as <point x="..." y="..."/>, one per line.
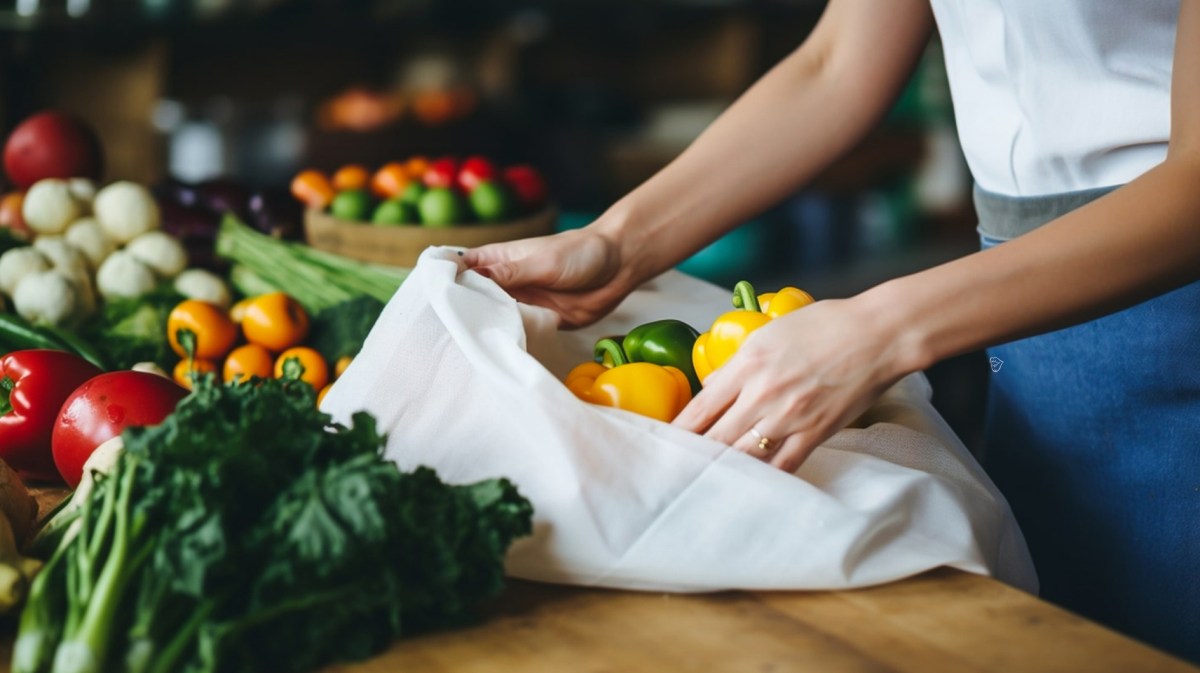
<point x="267" y="336"/>
<point x="248" y="533"/>
<point x="656" y="368"/>
<point x="441" y="193"/>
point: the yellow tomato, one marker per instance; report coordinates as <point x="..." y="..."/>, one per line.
<point x="248" y="361"/>
<point x="186" y="369"/>
<point x="315" y="371"/>
<point x="206" y="325"/>
<point x="340" y="366"/>
<point x="324" y="391"/>
<point x="275" y="321"/>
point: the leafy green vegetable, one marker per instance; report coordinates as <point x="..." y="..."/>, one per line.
<point x="341" y="329"/>
<point x="315" y="278"/>
<point x="129" y="331"/>
<point x="247" y="533"/>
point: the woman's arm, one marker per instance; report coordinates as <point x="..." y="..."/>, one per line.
<point x="804" y="375"/>
<point x="1141" y="240"/>
<point x="807" y="111"/>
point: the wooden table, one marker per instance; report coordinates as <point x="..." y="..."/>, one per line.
<point x="944" y="620"/>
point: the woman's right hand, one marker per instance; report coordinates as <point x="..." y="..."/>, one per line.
<point x="577" y="273"/>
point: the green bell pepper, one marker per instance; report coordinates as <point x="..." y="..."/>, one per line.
<point x="662" y="342"/>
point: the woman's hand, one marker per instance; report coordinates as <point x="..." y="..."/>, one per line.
<point x="799" y="379"/>
<point x="576" y="273"/>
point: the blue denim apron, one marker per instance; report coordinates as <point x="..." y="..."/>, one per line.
<point x="1093" y="435"/>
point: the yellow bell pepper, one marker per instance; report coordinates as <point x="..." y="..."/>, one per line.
<point x="641" y="387"/>
<point x="729" y="331"/>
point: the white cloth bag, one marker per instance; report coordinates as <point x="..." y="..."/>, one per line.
<point x="467" y="381"/>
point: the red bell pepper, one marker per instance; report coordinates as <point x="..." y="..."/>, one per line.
<point x="33" y="386"/>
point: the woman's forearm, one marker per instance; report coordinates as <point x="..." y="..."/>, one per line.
<point x="791" y="124"/>
<point x="1139" y="241"/>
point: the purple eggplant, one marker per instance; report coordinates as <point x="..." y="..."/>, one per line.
<point x="222" y="195"/>
<point x="277" y="214"/>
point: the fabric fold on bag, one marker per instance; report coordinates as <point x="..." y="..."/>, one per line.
<point x="467" y="381"/>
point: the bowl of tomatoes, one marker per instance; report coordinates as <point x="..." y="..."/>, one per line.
<point x="389" y="215"/>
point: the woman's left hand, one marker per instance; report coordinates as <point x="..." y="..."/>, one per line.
<point x="799" y="379"/>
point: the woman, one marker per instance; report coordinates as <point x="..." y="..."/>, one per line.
<point x="1080" y="120"/>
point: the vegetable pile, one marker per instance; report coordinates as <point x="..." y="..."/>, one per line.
<point x="656" y="368"/>
<point x="247" y="533"/>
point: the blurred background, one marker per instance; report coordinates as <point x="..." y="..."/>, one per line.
<point x="597" y="95"/>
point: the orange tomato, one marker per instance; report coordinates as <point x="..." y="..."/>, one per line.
<point x="275" y="321"/>
<point x="248" y="361"/>
<point x="312" y="188"/>
<point x="186" y="368"/>
<point x="324" y="391"/>
<point x="316" y="372"/>
<point x="390" y="180"/>
<point x="238" y="311"/>
<point x="340" y="366"/>
<point x="211" y="329"/>
<point x="11" y="217"/>
<point x="351" y="176"/>
<point x="416" y="166"/>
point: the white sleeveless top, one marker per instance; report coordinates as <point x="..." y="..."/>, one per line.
<point x="1054" y="96"/>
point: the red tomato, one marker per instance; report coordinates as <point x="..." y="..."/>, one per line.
<point x="527" y="185"/>
<point x="441" y="173"/>
<point x="102" y="408"/>
<point x="474" y="171"/>
<point x="51" y="145"/>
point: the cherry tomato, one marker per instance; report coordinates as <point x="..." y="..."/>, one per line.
<point x="11" y="217"/>
<point x="275" y="321"/>
<point x="324" y="391"/>
<point x="441" y="173"/>
<point x="416" y="166"/>
<point x="340" y="366"/>
<point x="316" y="372"/>
<point x="102" y="408"/>
<point x="187" y="369"/>
<point x="248" y="361"/>
<point x="351" y="176"/>
<point x="527" y="184"/>
<point x="312" y="188"/>
<point x="238" y="311"/>
<point x="390" y="180"/>
<point x="474" y="171"/>
<point x="213" y="331"/>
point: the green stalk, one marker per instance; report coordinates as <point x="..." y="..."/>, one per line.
<point x="40" y="625"/>
<point x="610" y="347"/>
<point x="86" y="649"/>
<point x="744" y="297"/>
<point x="184" y="638"/>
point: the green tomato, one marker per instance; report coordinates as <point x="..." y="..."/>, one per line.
<point x="442" y="207"/>
<point x="490" y="201"/>
<point x="393" y="212"/>
<point x="352" y="204"/>
<point x="412" y="193"/>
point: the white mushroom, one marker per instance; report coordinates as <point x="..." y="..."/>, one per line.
<point x="86" y="236"/>
<point x="46" y="297"/>
<point x="84" y="191"/>
<point x="49" y="206"/>
<point x="18" y="263"/>
<point x="205" y="286"/>
<point x="122" y="275"/>
<point x="125" y="210"/>
<point x="160" y="251"/>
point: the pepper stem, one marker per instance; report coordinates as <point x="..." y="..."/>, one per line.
<point x="293" y="369"/>
<point x="6" y="386"/>
<point x="610" y="347"/>
<point x="744" y="297"/>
